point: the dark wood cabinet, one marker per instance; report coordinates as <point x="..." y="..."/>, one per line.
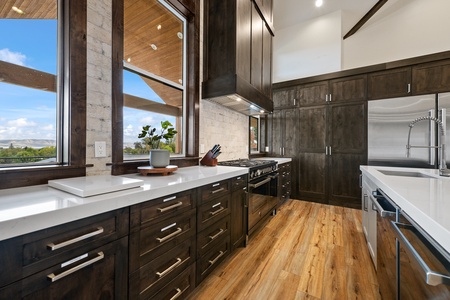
<point x="431" y="77"/>
<point x="239" y="59"/>
<point x="284" y="184"/>
<point x="238" y="212"/>
<point x="285" y="98"/>
<point x="389" y="84"/>
<point x="353" y="88"/>
<point x="315" y="93"/>
<point x="85" y="259"/>
<point x="284" y="137"/>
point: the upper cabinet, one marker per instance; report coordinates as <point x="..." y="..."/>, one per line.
<point x="431" y="77"/>
<point x="389" y="84"/>
<point x="238" y="54"/>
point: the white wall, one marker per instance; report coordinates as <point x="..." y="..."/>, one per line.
<point x="308" y="48"/>
<point x="400" y="29"/>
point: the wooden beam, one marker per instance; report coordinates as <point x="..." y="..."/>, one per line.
<point x="15" y="74"/>
<point x="149" y="105"/>
<point x="366" y="18"/>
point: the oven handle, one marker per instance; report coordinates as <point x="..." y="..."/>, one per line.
<point x="274" y="176"/>
<point x="256" y="185"/>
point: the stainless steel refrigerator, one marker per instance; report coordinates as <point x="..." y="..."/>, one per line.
<point x="388" y="126"/>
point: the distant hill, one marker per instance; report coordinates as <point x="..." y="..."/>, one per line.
<point x="34" y="143"/>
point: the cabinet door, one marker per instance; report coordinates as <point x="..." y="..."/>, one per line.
<point x="431" y="78"/>
<point x="284" y="98"/>
<point x="257" y="49"/>
<point x="96" y="274"/>
<point x="266" y="62"/>
<point x="312" y="178"/>
<point x="312" y="129"/>
<point x="238" y="217"/>
<point x="348" y="89"/>
<point x="388" y="84"/>
<point x="313" y="93"/>
<point x="276" y="132"/>
<point x="347" y="136"/>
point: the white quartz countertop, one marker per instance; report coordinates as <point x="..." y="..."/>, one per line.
<point x="28" y="209"/>
<point x="279" y="160"/>
<point x="425" y="200"/>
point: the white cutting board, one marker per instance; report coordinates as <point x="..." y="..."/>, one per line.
<point x="94" y="185"/>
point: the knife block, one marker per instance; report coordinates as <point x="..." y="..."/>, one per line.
<point x="208" y="160"/>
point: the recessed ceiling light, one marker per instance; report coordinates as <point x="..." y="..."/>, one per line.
<point x="261" y="111"/>
<point x="158" y="27"/>
<point x="252" y="106"/>
<point x="154" y="47"/>
<point x="180" y="81"/>
<point x="128" y="59"/>
<point x="18" y="10"/>
<point x="180" y="35"/>
<point x="238" y="99"/>
<point x="319" y="3"/>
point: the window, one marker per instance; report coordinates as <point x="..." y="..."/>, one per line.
<point x="42" y="91"/>
<point x="28" y="94"/>
<point x="254" y="134"/>
<point x="153" y="74"/>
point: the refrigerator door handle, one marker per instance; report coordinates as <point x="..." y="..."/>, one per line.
<point x="431" y="142"/>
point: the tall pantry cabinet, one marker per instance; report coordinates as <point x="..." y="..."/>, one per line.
<point x="321" y="126"/>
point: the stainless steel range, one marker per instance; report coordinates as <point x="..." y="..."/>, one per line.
<point x="263" y="195"/>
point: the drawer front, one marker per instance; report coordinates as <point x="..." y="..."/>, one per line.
<point x="212" y="211"/>
<point x="257" y="206"/>
<point x="180" y="287"/>
<point x="239" y="182"/>
<point x="212" y="259"/>
<point x="45" y="247"/>
<point x="162" y="208"/>
<point x="101" y="271"/>
<point x="214" y="190"/>
<point x="213" y="235"/>
<point x="149" y="279"/>
<point x="156" y="239"/>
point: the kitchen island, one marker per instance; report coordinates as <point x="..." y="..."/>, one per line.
<point x="420" y="193"/>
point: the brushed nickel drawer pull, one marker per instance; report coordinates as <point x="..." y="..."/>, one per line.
<point x="215" y="184"/>
<point x="218" y="190"/>
<point x="54" y="247"/>
<point x="215" y="205"/>
<point x="161" y="240"/>
<point x="179" y="292"/>
<point x="211" y="262"/>
<point x="54" y="277"/>
<point x="170" y="199"/>
<point x="179" y="203"/>
<point x="169" y="269"/>
<point x="212" y="237"/>
<point x="213" y="213"/>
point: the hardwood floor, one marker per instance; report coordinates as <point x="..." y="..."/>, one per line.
<point x="307" y="251"/>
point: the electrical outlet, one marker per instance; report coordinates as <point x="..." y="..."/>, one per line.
<point x="100" y="149"/>
<point x="202" y="148"/>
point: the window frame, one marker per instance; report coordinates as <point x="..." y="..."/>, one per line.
<point x="191" y="11"/>
<point x="73" y="83"/>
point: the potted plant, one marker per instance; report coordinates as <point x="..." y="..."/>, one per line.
<point x="159" y="158"/>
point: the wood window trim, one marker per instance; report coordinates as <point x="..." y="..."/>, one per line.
<point x="26" y="176"/>
<point x="191" y="11"/>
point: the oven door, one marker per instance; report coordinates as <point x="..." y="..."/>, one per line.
<point x="263" y="198"/>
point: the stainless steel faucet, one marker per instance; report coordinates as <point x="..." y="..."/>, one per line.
<point x="443" y="171"/>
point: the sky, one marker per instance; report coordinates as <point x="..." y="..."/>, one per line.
<point x="31" y="114"/>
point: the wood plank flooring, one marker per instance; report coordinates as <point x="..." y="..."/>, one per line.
<point x="306" y="251"/>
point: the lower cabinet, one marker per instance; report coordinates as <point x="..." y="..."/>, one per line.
<point x="284" y="182"/>
<point x="238" y="212"/>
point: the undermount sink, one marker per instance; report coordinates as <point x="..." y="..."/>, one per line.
<point x="405" y="174"/>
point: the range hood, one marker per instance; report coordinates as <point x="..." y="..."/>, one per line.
<point x="238" y="95"/>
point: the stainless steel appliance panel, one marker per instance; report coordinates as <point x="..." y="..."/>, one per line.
<point x="388" y="121"/>
<point x="424" y="266"/>
<point x="444" y="103"/>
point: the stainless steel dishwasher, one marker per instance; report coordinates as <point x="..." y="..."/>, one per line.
<point x="387" y="244"/>
<point x="424" y="265"/>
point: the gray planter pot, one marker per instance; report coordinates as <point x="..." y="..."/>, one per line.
<point x="159" y="158"/>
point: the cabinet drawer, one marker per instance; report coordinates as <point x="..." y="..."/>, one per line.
<point x="162" y="208"/>
<point x="256" y="210"/>
<point x="212" y="211"/>
<point x="212" y="235"/>
<point x="212" y="259"/>
<point x="156" y="239"/>
<point x="44" y="248"/>
<point x="150" y="278"/>
<point x="180" y="287"/>
<point x="86" y="275"/>
<point x="238" y="182"/>
<point x="214" y="190"/>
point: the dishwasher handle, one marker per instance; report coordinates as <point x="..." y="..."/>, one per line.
<point x="379" y="208"/>
<point x="431" y="277"/>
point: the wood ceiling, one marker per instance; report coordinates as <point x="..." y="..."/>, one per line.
<point x="141" y="26"/>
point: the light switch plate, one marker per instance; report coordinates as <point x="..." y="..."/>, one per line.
<point x="100" y="149"/>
